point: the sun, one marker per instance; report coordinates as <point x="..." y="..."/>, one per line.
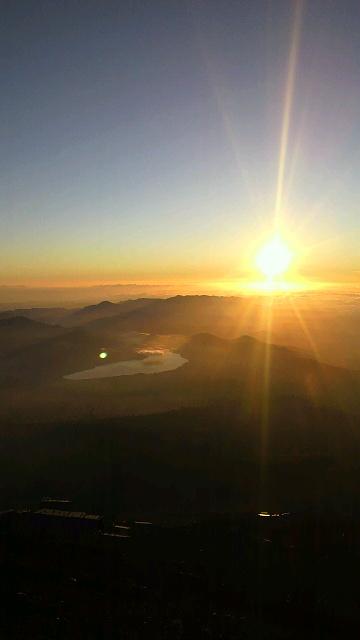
<point x="274" y="258"/>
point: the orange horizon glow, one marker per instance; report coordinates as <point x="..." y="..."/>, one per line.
<point x="243" y="284"/>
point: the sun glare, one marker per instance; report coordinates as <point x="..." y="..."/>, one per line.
<point x="274" y="258"/>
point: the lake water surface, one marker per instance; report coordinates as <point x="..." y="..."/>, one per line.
<point x="157" y="362"/>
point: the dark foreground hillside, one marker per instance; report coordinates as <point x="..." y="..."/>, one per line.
<point x="208" y="567"/>
<point x="262" y="428"/>
<point x="284" y="576"/>
<point x="221" y="458"/>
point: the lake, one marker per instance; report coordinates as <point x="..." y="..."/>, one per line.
<point x="157" y="362"/>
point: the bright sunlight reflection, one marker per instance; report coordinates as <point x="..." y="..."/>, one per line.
<point x="274" y="258"/>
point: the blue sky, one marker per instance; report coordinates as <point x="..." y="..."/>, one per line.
<point x="141" y="139"/>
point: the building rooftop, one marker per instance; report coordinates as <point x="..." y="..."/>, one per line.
<point x="56" y="500"/>
<point x="80" y="515"/>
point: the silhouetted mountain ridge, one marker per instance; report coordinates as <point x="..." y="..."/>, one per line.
<point x="18" y="333"/>
<point x="103" y="311"/>
<point x="48" y="315"/>
<point x="301" y="322"/>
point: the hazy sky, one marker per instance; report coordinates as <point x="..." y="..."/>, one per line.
<point x="142" y="139"/>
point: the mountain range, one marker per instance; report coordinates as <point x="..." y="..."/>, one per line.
<point x="35" y="357"/>
<point x="195" y="437"/>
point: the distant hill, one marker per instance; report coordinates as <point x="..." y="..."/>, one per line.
<point x="18" y="332"/>
<point x="180" y="314"/>
<point x="44" y="354"/>
<point x="244" y="371"/>
<point x="51" y="315"/>
<point x="78" y="317"/>
<point x="204" y="329"/>
<point x="327" y="330"/>
<point x="102" y="310"/>
<point x="255" y="371"/>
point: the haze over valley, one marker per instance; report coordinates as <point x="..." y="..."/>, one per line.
<point x="227" y="368"/>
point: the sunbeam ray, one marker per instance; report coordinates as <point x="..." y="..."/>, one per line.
<point x="288" y="103"/>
